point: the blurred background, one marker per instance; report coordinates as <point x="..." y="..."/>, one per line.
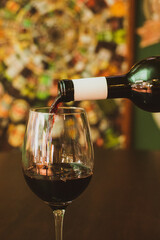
<point x="44" y="41"/>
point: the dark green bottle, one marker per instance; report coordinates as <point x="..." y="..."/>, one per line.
<point x="141" y="85"/>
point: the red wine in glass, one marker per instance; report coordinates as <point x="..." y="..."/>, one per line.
<point x="60" y="184"/>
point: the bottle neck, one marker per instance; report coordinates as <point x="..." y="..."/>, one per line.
<point x="94" y="88"/>
<point x="118" y="87"/>
<point x="66" y="90"/>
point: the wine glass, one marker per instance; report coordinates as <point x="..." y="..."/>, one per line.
<point x="57" y="157"/>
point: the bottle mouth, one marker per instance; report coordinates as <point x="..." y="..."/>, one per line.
<point x="66" y="90"/>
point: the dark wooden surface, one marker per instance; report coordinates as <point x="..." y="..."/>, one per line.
<point x="122" y="201"/>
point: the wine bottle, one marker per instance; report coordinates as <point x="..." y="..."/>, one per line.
<point x="141" y="85"/>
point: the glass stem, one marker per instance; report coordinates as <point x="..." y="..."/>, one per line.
<point x="59" y="216"/>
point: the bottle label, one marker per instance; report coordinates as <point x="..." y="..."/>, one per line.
<point x="90" y="88"/>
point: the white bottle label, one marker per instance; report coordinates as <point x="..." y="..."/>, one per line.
<point x="90" y="88"/>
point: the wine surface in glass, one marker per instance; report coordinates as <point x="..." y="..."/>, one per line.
<point x="60" y="183"/>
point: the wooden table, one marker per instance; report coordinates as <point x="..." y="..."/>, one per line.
<point x="122" y="201"/>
